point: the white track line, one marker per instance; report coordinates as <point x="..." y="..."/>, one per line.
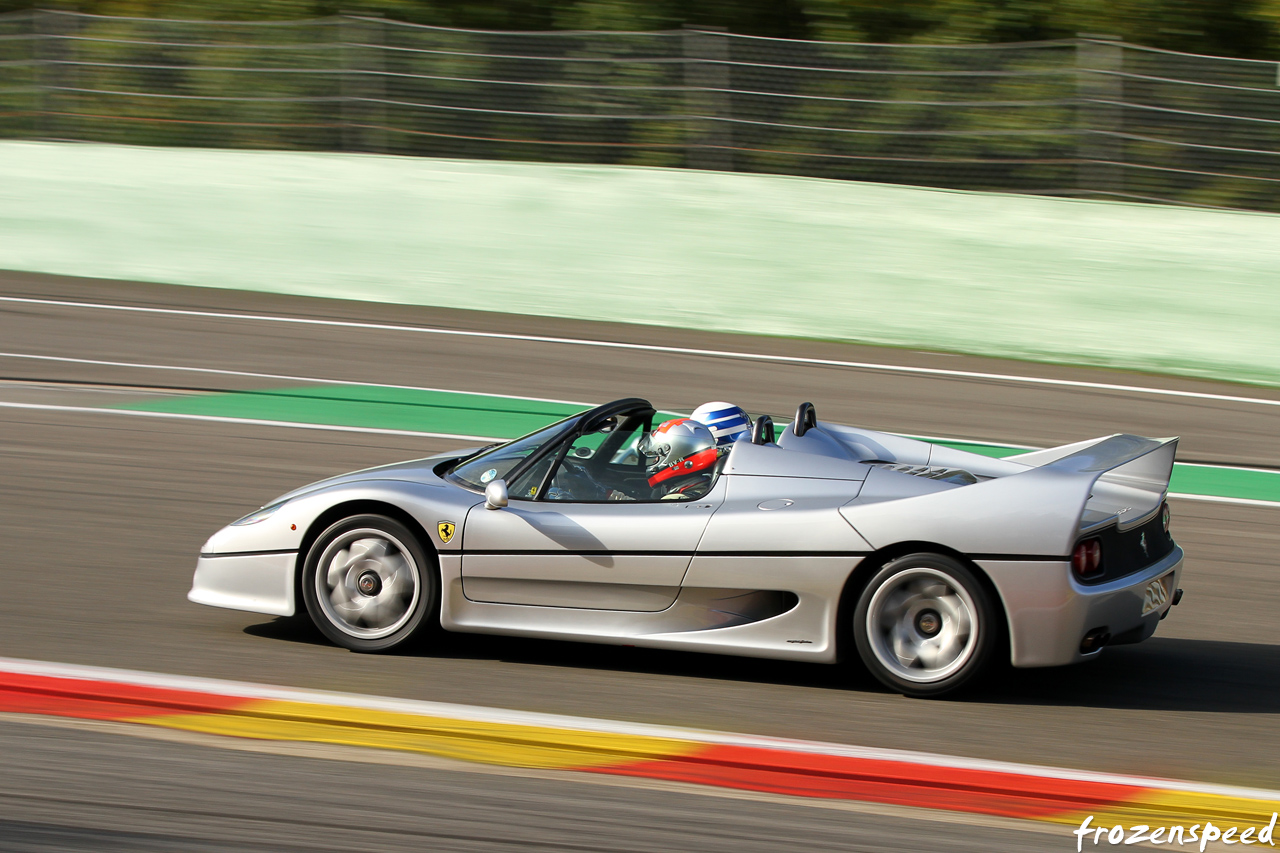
<point x="356" y="383"/>
<point x="95" y="410"/>
<point x="744" y="356"/>
<point x="1003" y="444"/>
<point x="284" y="377"/>
<point x="1229" y="467"/>
<point x="561" y="722"/>
<point x="1219" y="500"/>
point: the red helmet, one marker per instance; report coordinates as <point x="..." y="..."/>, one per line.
<point x="677" y="448"/>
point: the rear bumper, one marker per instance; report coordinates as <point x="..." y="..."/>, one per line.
<point x="1049" y="612"/>
<point x="259" y="583"/>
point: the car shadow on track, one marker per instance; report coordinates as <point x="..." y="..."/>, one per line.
<point x="291" y="629"/>
<point x="1162" y="674"/>
<point x="567" y="654"/>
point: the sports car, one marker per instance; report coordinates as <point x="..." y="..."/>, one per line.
<point x="812" y="541"/>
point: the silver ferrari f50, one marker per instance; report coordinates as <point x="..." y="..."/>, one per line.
<point x="819" y="543"/>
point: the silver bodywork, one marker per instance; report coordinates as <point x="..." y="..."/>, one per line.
<point x="758" y="565"/>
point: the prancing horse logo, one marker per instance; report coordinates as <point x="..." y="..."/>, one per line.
<point x="446" y="528"/>
<point x="1142" y="540"/>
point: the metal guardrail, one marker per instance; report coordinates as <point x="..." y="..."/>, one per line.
<point x="1087" y="117"/>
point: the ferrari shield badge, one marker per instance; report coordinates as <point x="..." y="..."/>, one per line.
<point x="445" y="529"/>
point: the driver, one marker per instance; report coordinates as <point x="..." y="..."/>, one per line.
<point x="727" y="422"/>
<point x="679" y="457"/>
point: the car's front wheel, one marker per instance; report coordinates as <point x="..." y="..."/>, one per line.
<point x="368" y="584"/>
<point x="925" y="625"/>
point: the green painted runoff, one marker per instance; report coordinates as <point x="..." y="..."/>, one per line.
<point x="379" y="408"/>
<point x="459" y="413"/>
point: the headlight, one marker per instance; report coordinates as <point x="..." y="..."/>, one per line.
<point x="255" y="517"/>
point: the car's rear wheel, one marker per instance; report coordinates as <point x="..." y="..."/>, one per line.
<point x="925" y="625"/>
<point x="368" y="584"/>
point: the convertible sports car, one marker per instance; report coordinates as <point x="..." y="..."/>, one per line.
<point x="925" y="561"/>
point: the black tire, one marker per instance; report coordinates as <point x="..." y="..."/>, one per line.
<point x="925" y="625"/>
<point x="377" y="602"/>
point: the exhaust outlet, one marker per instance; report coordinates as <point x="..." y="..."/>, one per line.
<point x="1094" y="641"/>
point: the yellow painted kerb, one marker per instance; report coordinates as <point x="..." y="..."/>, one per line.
<point x="490" y="743"/>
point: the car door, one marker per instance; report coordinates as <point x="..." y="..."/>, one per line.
<point x="615" y="551"/>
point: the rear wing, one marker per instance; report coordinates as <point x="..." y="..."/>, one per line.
<point x="1133" y="480"/>
<point x="1038" y="511"/>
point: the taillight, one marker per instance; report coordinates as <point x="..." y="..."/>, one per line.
<point x="1086" y="559"/>
<point x="1165" y="515"/>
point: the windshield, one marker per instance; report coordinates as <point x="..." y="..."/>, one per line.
<point x="495" y="464"/>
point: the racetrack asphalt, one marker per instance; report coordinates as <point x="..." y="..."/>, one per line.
<point x="92" y="789"/>
<point x="104" y="515"/>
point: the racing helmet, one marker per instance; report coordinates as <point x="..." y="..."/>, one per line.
<point x="727" y="422"/>
<point x="677" y="448"/>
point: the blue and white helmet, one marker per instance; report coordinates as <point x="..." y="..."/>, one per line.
<point x="727" y="422"/>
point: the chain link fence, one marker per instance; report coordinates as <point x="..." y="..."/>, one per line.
<point x="1085" y="117"/>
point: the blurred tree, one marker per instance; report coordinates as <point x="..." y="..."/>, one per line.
<point x="776" y="18"/>
<point x="1246" y="28"/>
<point x="1268" y="15"/>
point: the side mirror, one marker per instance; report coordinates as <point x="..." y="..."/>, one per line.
<point x="495" y="494"/>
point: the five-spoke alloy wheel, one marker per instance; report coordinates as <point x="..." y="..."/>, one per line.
<point x="924" y="624"/>
<point x="367" y="583"/>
